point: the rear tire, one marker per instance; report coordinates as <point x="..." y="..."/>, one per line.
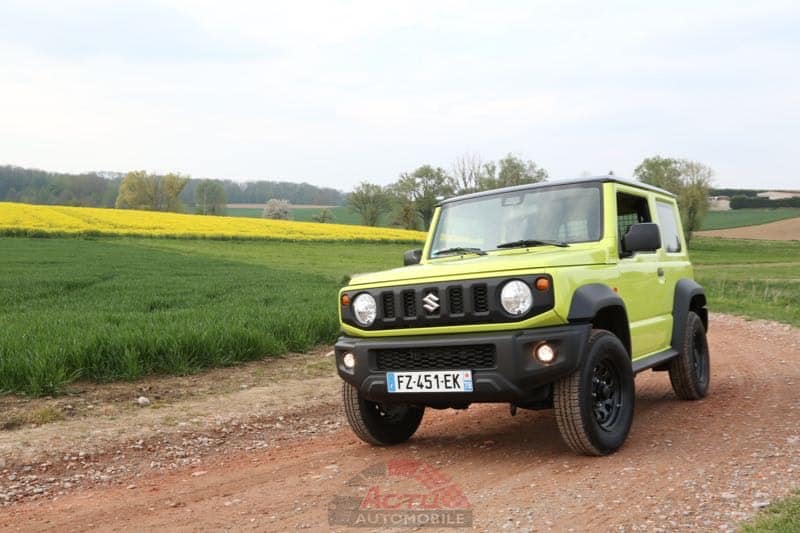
<point x="380" y="424"/>
<point x="690" y="372"/>
<point x="594" y="405"/>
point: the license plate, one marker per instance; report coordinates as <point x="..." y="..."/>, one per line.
<point x="434" y="381"/>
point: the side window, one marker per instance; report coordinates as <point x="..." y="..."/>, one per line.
<point x="631" y="209"/>
<point x="669" y="226"/>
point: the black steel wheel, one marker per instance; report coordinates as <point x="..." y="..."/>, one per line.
<point x="594" y="405"/>
<point x="606" y="394"/>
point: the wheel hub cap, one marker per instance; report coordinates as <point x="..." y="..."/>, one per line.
<point x="606" y="394"/>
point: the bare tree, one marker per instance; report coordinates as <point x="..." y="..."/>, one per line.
<point x="468" y="173"/>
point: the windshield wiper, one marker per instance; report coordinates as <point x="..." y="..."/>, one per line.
<point x="531" y="242"/>
<point x="459" y="249"/>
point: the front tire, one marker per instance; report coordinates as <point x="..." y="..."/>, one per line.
<point x="380" y="424"/>
<point x="594" y="405"/>
<point x="690" y="372"/>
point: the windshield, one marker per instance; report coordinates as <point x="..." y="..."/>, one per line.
<point x="562" y="214"/>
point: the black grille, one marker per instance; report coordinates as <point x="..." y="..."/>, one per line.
<point x="409" y="304"/>
<point x="455" y="298"/>
<point x="459" y="302"/>
<point x="388" y="305"/>
<point x="480" y="303"/>
<point x="436" y="358"/>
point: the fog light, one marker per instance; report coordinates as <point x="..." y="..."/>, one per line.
<point x="349" y="360"/>
<point x="545" y="353"/>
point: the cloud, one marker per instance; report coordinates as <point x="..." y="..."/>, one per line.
<point x="334" y="93"/>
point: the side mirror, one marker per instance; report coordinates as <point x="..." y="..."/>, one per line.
<point x="412" y="257"/>
<point x="642" y="237"/>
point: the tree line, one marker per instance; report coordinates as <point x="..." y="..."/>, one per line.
<point x="33" y="186"/>
<point x="258" y="192"/>
<point x="746" y="202"/>
<point x="410" y="201"/>
<point x="101" y="189"/>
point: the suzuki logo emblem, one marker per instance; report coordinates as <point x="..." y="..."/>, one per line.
<point x="430" y="302"/>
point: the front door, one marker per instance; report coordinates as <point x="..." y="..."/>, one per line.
<point x="642" y="285"/>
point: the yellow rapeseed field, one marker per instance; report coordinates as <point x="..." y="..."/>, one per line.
<point x="24" y="219"/>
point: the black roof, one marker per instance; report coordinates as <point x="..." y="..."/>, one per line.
<point x="559" y="182"/>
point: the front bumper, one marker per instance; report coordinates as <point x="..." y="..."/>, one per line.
<point x="516" y="376"/>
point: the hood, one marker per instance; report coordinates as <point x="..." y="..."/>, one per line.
<point x="477" y="266"/>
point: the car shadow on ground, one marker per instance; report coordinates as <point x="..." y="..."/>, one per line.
<point x="493" y="429"/>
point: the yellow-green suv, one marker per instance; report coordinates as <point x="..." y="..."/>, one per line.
<point x="551" y="295"/>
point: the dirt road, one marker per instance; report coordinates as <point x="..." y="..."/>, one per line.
<point x="687" y="465"/>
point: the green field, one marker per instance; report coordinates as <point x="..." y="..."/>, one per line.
<point x="251" y="212"/>
<point x="121" y="308"/>
<point x="118" y="308"/>
<point x="341" y="214"/>
<point x="736" y="218"/>
<point x="760" y="279"/>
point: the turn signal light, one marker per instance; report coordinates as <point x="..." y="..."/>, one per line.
<point x="345" y="300"/>
<point x="542" y="284"/>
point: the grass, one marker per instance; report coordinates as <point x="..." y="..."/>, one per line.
<point x="45" y="415"/>
<point x="39" y="416"/>
<point x="780" y="517"/>
<point x="736" y="218"/>
<point x="122" y="308"/>
<point x="760" y="279"/>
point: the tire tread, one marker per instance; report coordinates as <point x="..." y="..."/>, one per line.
<point x="373" y="433"/>
<point x="353" y="413"/>
<point x="681" y="371"/>
<point x="566" y="400"/>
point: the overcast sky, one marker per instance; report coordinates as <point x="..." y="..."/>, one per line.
<point x="337" y="93"/>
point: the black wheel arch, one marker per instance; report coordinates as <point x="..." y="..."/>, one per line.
<point x="689" y="296"/>
<point x="599" y="305"/>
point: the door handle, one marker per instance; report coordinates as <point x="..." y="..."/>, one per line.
<point x="660" y="272"/>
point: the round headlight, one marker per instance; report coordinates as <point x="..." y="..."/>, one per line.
<point x="365" y="309"/>
<point x="516" y="297"/>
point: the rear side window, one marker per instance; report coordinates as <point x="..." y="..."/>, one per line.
<point x="668" y="223"/>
